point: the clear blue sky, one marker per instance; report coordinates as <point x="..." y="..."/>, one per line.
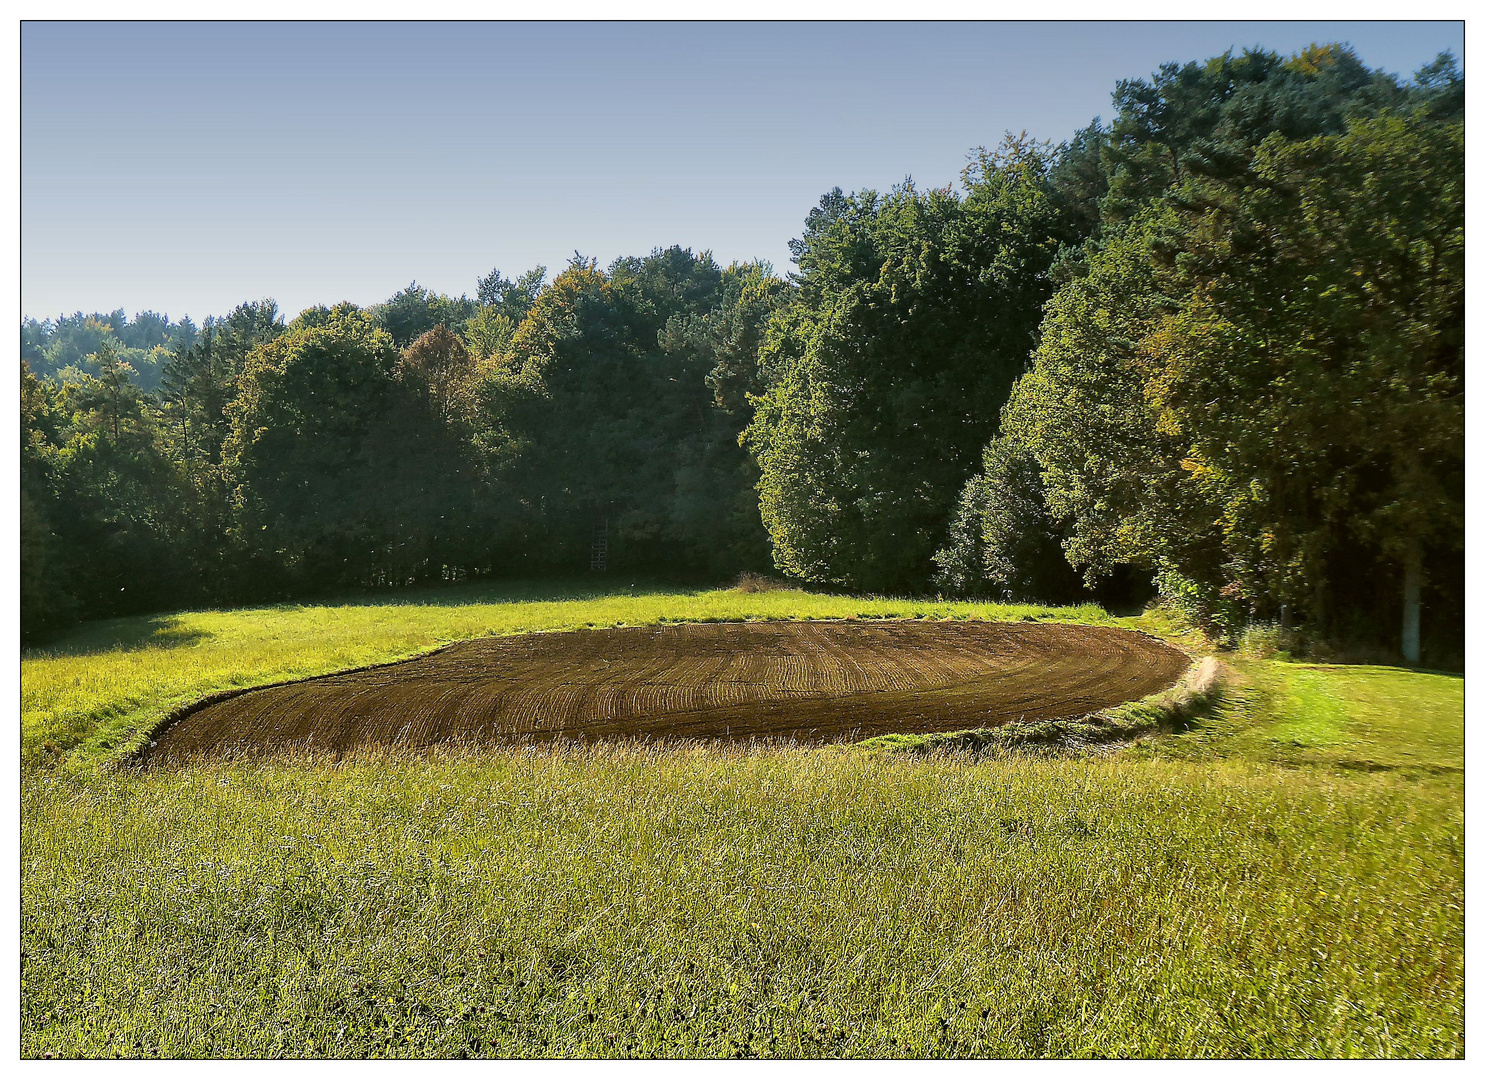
<point x="185" y="168"/>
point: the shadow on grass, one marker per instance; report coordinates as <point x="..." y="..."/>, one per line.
<point x="511" y="592"/>
<point x="134" y="632"/>
<point x="126" y="634"/>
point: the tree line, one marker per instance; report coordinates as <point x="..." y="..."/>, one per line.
<point x="1212" y="349"/>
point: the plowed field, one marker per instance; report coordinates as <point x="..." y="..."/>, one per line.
<point x="806" y="681"/>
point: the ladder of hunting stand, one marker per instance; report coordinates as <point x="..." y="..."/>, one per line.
<point x="599" y="560"/>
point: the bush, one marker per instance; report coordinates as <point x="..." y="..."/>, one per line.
<point x="749" y="582"/>
<point x="1003" y="542"/>
<point x="1271" y="641"/>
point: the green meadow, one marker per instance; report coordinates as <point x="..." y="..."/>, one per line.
<point x="1283" y="876"/>
<point x="86" y="697"/>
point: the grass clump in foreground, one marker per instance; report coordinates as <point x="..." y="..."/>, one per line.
<point x="89" y="697"/>
<point x="1219" y="892"/>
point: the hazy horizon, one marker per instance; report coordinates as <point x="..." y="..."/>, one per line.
<point x="186" y="167"/>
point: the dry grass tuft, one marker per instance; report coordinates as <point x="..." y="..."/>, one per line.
<point x="749" y="582"/>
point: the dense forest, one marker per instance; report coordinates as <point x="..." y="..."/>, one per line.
<point x="1211" y="350"/>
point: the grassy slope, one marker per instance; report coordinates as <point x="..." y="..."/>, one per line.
<point x="1285" y="878"/>
<point x="90" y="694"/>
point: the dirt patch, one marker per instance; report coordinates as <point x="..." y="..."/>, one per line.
<point x="805" y="681"/>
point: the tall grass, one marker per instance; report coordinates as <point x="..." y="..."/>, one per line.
<point x="790" y="903"/>
<point x="1286" y="878"/>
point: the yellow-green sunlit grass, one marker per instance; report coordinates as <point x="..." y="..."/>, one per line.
<point x="90" y="694"/>
<point x="1285" y="878"/>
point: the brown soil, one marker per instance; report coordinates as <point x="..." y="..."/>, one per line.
<point x="805" y="681"/>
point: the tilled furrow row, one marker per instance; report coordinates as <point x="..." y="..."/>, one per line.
<point x="811" y="682"/>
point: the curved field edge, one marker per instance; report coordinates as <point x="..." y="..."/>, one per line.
<point x="96" y="696"/>
<point x="1198" y="688"/>
<point x="815" y="681"/>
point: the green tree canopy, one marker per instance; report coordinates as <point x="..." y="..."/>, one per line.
<point x="415" y="310"/>
<point x="1258" y="391"/>
<point x="914" y="313"/>
<point x="603" y="400"/>
<point x="298" y="455"/>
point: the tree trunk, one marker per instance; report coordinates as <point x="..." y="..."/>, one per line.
<point x="1412" y="600"/>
